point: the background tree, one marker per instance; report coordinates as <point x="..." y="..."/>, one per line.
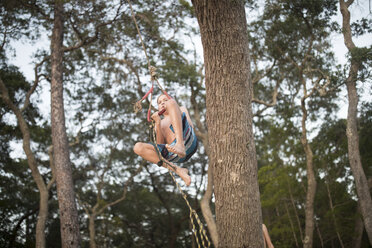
<point x="70" y="234"/>
<point x="360" y="57"/>
<point x="26" y="116"/>
<point x="295" y="35"/>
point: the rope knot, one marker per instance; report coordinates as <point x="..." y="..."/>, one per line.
<point x="137" y="106"/>
<point x="153" y="73"/>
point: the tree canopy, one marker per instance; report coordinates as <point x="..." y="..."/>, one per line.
<point x="297" y="91"/>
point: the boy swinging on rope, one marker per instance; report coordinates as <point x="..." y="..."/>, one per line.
<point x="175" y="138"/>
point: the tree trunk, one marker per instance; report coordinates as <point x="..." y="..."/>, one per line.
<point x="232" y="152"/>
<point x="319" y="234"/>
<point x="202" y="134"/>
<point x="92" y="231"/>
<point x="361" y="183"/>
<point x="295" y="210"/>
<point x="358" y="230"/>
<point x="206" y="209"/>
<point x="70" y="235"/>
<point x="311" y="182"/>
<point x="291" y="223"/>
<point x="334" y="216"/>
<point x="44" y="192"/>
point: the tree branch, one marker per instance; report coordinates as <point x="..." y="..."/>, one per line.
<point x="125" y="189"/>
<point x="36" y="82"/>
<point x="86" y="41"/>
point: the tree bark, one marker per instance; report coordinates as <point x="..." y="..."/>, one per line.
<point x="42" y="187"/>
<point x="361" y="183"/>
<point x="232" y="152"/>
<point x="70" y="234"/>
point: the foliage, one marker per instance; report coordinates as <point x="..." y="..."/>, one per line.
<point x="109" y="72"/>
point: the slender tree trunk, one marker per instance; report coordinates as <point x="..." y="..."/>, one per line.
<point x="311" y="182"/>
<point x="295" y="210"/>
<point x="229" y="118"/>
<point x="92" y="231"/>
<point x="319" y="234"/>
<point x="358" y="230"/>
<point x="333" y="216"/>
<point x="361" y="182"/>
<point x="291" y="223"/>
<point x="70" y="234"/>
<point x="205" y="201"/>
<point x="206" y="210"/>
<point x="44" y="192"/>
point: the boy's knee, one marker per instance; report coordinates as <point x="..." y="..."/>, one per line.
<point x="171" y="103"/>
<point x="138" y="147"/>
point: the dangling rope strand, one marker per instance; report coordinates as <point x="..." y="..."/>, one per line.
<point x="193" y="215"/>
<point x="137" y="107"/>
<point x="152" y="69"/>
<point x="139" y="33"/>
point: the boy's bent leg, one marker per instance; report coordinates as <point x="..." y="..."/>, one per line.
<point x="148" y="152"/>
<point x="175" y="115"/>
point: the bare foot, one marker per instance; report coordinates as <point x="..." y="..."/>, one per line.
<point x="183" y="173"/>
<point x="178" y="149"/>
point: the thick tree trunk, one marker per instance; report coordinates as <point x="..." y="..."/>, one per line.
<point x="311" y="181"/>
<point x="361" y="182"/>
<point x="65" y="190"/>
<point x="229" y="118"/>
<point x="44" y="192"/>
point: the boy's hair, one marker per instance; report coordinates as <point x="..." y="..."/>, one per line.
<point x="157" y="99"/>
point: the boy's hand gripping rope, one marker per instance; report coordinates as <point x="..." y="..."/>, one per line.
<point x="154" y="78"/>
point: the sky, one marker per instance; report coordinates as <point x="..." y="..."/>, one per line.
<point x="24" y="53"/>
<point x="361" y="8"/>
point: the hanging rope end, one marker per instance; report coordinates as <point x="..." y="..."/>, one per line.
<point x="137" y="106"/>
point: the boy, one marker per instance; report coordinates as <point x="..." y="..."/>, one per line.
<point x="175" y="137"/>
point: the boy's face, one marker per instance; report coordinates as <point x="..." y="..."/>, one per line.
<point x="161" y="102"/>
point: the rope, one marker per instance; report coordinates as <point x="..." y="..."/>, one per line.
<point x="193" y="215"/>
<point x="152" y="69"/>
<point x="137" y="107"/>
<point x="139" y="33"/>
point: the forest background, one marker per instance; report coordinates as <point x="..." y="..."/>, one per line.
<point x="124" y="202"/>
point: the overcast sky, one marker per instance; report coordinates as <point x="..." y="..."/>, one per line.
<point x="359" y="9"/>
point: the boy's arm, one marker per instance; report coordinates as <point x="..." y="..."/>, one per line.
<point x="267" y="236"/>
<point x="159" y="134"/>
